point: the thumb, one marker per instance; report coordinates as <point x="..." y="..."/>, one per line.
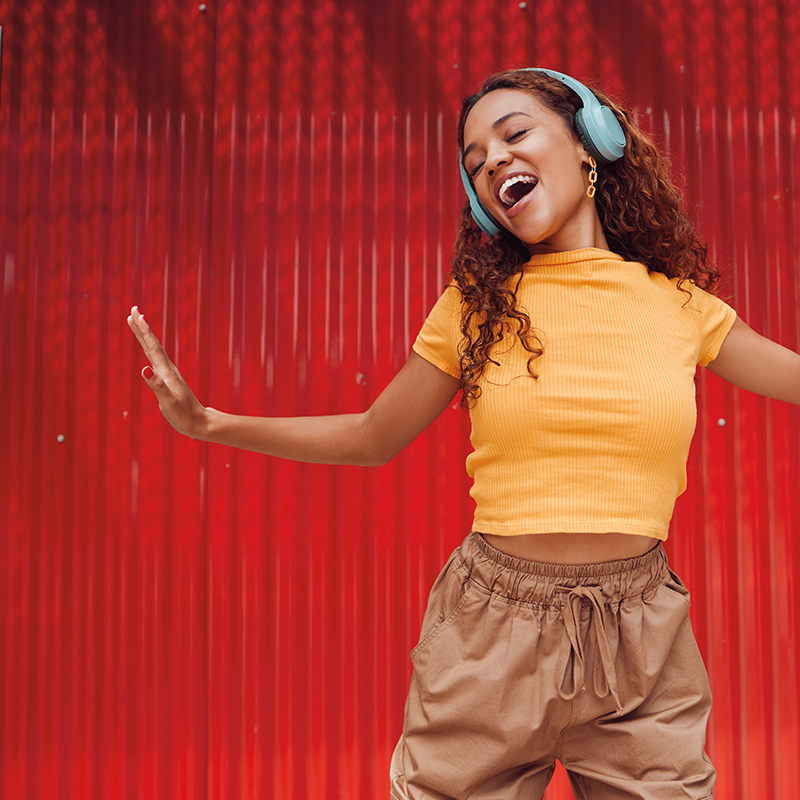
<point x="148" y="374"/>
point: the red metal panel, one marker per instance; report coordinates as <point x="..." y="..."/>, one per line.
<point x="274" y="184"/>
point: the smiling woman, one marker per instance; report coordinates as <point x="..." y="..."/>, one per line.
<point x="522" y="157"/>
<point x="581" y="426"/>
<point x="580" y="304"/>
<point x="627" y="205"/>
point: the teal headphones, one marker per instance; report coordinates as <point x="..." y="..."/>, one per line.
<point x="598" y="128"/>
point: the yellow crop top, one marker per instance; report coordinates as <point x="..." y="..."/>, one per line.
<point x="599" y="442"/>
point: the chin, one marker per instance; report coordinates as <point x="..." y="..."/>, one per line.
<point x="532" y="240"/>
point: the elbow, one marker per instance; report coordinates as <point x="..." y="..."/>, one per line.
<point x="384" y="459"/>
<point x="377" y="457"/>
<point x="376" y="447"/>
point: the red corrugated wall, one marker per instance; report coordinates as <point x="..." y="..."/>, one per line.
<point x="274" y="184"/>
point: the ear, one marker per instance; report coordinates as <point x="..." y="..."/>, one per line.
<point x="584" y="155"/>
<point x="581" y="151"/>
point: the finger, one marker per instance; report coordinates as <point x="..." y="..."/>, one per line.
<point x="159" y="385"/>
<point x="133" y="324"/>
<point x="153" y="348"/>
<point x="149" y="341"/>
<point x="169" y="404"/>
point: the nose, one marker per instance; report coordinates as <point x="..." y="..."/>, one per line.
<point x="498" y="157"/>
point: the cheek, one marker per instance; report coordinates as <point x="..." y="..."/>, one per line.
<point x="484" y="192"/>
<point x="573" y="182"/>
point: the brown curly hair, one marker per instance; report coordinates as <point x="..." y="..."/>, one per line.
<point x="642" y="215"/>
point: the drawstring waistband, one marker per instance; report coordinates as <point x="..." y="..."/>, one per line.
<point x="572" y="648"/>
<point x="604" y="586"/>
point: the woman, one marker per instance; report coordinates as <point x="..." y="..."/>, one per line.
<point x="576" y="316"/>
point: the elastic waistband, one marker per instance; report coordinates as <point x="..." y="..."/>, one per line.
<point x="544" y="584"/>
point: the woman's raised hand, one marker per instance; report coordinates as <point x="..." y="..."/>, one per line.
<point x="175" y="399"/>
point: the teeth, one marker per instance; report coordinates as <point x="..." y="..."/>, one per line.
<point x="504" y="196"/>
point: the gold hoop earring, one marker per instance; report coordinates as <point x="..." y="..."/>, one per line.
<point x="592" y="177"/>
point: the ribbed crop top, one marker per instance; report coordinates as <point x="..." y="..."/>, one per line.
<point x="599" y="442"/>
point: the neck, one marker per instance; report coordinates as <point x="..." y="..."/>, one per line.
<point x="588" y="234"/>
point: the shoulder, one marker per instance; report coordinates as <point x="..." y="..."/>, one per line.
<point x="439" y="337"/>
<point x="687" y="293"/>
<point x="699" y="311"/>
<point x="449" y="302"/>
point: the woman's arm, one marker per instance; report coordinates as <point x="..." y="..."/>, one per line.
<point x="414" y="398"/>
<point x="753" y="362"/>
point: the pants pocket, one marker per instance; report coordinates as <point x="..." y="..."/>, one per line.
<point x="674" y="586"/>
<point x="450" y="605"/>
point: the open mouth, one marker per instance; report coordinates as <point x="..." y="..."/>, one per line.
<point x="515" y="188"/>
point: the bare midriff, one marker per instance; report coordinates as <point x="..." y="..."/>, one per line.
<point x="573" y="548"/>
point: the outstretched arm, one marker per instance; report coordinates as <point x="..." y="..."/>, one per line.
<point x="414" y="398"/>
<point x="753" y="362"/>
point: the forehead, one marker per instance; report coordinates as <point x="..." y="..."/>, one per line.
<point x="499" y="104"/>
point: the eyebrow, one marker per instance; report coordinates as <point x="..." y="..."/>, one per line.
<point x="495" y="125"/>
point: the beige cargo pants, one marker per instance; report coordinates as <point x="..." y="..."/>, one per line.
<point x="521" y="664"/>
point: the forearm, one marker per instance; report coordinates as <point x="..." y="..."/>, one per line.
<point x="413" y="399"/>
<point x="339" y="439"/>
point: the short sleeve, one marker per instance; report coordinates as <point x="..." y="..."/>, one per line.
<point x="715" y="320"/>
<point x="441" y="334"/>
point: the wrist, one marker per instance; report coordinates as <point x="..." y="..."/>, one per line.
<point x="203" y="424"/>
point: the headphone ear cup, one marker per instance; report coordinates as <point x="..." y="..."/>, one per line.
<point x="483" y="219"/>
<point x="583" y="134"/>
<point x="601" y="133"/>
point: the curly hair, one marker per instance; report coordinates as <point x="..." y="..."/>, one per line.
<point x="641" y="212"/>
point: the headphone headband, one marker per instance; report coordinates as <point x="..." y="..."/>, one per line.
<point x="598" y="129"/>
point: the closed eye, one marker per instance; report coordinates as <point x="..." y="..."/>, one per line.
<point x="511" y="137"/>
<point x="474" y="171"/>
<point x="516" y="134"/>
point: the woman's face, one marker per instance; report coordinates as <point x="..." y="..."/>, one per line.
<point x="531" y="172"/>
